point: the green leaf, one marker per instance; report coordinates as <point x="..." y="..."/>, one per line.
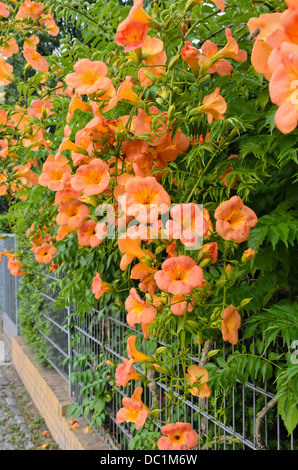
<point x="257" y="236"/>
<point x="273" y="235"/>
<point x="70" y="410"/>
<point x="288" y="410"/>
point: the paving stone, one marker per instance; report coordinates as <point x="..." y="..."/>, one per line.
<point x="3" y="382"/>
<point x="14" y="430"/>
<point x="11" y="401"/>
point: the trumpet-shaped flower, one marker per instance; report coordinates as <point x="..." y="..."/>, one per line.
<point x="188" y="224"/>
<point x="143" y="124"/>
<point x="179" y="305"/>
<point x="132" y="32"/>
<point x="265" y="26"/>
<point x="214" y="106"/>
<point x="40" y="109"/>
<point x="130" y="248"/>
<point x="87" y="235"/>
<point x="248" y="255"/>
<point x="72" y="213"/>
<point x="134" y="354"/>
<point x="171" y="148"/>
<point x="152" y="54"/>
<point x="76" y="103"/>
<point x="30" y="9"/>
<point x="54" y="177"/>
<point x="63" y="232"/>
<point x="35" y="60"/>
<point x="234" y="220"/>
<point x="283" y="88"/>
<point x="45" y="253"/>
<point x="89" y="77"/>
<point x="125" y="372"/>
<point x="99" y="287"/>
<point x="134" y="410"/>
<point x="5" y="72"/>
<point x="26" y="175"/>
<point x="192" y="56"/>
<point x="50" y="24"/>
<point x="196" y="374"/>
<point x="177" y="436"/>
<point x="31" y="42"/>
<point x="179" y="275"/>
<point x="145" y="199"/>
<point x="145" y="274"/>
<point x="124" y="92"/>
<point x="15" y="266"/>
<point x="10" y="48"/>
<point x="209" y="251"/>
<point x="91" y="179"/>
<point x="4" y="13"/>
<point x="231" y="322"/>
<point x="137" y="310"/>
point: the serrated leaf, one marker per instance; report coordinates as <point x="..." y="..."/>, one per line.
<point x="257" y="236"/>
<point x="288" y="410"/>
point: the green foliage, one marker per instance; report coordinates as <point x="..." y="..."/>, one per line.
<point x="94" y="394"/>
<point x="31" y="321"/>
<point x="266" y="179"/>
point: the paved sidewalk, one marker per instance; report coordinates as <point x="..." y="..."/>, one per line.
<point x="21" y="426"/>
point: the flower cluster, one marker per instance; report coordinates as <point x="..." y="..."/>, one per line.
<point x="275" y="55"/>
<point x="116" y="163"/>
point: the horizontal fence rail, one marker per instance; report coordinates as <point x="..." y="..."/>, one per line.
<point x="98" y="338"/>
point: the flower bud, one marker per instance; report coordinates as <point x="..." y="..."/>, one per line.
<point x="229" y="272"/>
<point x="171" y="112"/>
<point x="248" y="255"/>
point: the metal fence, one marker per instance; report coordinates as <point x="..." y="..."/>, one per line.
<point x="98" y="337"/>
<point x="9" y="288"/>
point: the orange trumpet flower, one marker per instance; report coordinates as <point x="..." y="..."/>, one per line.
<point x="99" y="287"/>
<point x="137" y="310"/>
<point x="134" y="354"/>
<point x="231" y="322"/>
<point x="54" y="176"/>
<point x="132" y="31"/>
<point x="234" y="220"/>
<point x="89" y="77"/>
<point x="177" y="436"/>
<point x="35" y="59"/>
<point x="198" y="374"/>
<point x="130" y="248"/>
<point x="266" y="26"/>
<point x="30" y="9"/>
<point x="214" y="106"/>
<point x="146" y="276"/>
<point x="31" y="42"/>
<point x="126" y="372"/>
<point x="179" y="275"/>
<point x="283" y="88"/>
<point x="4" y="13"/>
<point x="91" y="179"/>
<point x="45" y="253"/>
<point x="145" y="199"/>
<point x="134" y="410"/>
<point x="5" y="72"/>
<point x="87" y="235"/>
<point x="10" y="48"/>
<point x="72" y="213"/>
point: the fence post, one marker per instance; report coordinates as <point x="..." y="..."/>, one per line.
<point x="69" y="347"/>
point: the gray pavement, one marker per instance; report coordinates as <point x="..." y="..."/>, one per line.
<point x="21" y="426"/>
